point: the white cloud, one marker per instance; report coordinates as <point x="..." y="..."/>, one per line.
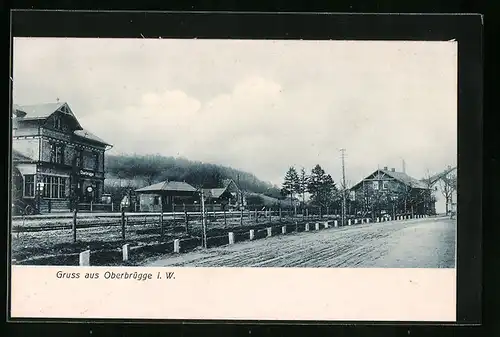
<point x="256" y="105"/>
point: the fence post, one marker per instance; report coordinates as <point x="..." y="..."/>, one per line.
<point x="317" y="226"/>
<point x="123" y="224"/>
<point x="349" y="222"/>
<point x="326" y="224"/>
<point x="269" y="231"/>
<point x="307" y="227"/>
<point x="297" y="226"/>
<point x="252" y="234"/>
<point x="162" y="229"/>
<point x="125" y="251"/>
<point x="186" y="219"/>
<point x="177" y="246"/>
<point x="307" y="213"/>
<point x="336" y="223"/>
<point x="112" y="207"/>
<point x="74" y="223"/>
<point x="231" y="238"/>
<point x="90" y="206"/>
<point x="283" y="229"/>
<point x="84" y="258"/>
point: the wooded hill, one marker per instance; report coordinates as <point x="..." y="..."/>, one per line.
<point x="150" y="169"/>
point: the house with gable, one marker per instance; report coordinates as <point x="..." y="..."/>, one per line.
<point x="229" y="195"/>
<point x="392" y="192"/>
<point x="56" y="162"/>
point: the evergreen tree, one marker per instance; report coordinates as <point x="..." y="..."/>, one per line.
<point x="290" y="184"/>
<point x="303" y="181"/>
<point x="322" y="187"/>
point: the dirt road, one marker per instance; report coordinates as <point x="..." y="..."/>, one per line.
<point x="420" y="243"/>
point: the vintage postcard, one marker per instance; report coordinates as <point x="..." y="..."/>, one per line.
<point x="234" y="179"/>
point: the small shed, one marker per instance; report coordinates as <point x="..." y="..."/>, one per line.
<point x="165" y="195"/>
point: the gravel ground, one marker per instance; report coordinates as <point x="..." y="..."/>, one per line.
<point x="28" y="241"/>
<point x="421" y="243"/>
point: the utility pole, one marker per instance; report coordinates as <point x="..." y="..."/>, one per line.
<point x="343" y="188"/>
<point x="203" y="221"/>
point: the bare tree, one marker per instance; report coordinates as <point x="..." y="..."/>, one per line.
<point x="448" y="186"/>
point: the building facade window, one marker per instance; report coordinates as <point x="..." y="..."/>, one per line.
<point x="29" y="185"/>
<point x="375" y="185"/>
<point x="78" y="158"/>
<point x="56" y="153"/>
<point x="54" y="187"/>
<point x="96" y="161"/>
<point x="385" y="185"/>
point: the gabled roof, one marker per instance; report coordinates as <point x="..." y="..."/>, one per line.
<point x="226" y="182"/>
<point x="435" y="178"/>
<point x="406" y="179"/>
<point x="39" y="111"/>
<point x="168" y="186"/>
<point x="399" y="176"/>
<point x="45" y="110"/>
<point x="214" y="192"/>
<point x="90" y="136"/>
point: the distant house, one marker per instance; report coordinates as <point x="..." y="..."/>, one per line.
<point x="229" y="195"/>
<point x="165" y="195"/>
<point x="58" y="162"/>
<point x="390" y="191"/>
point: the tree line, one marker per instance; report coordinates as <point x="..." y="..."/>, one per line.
<point x="151" y="169"/>
<point x="320" y="186"/>
<point x="397" y="199"/>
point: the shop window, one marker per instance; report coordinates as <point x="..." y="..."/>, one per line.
<point x="62" y="188"/>
<point x="29" y="185"/>
<point x="54" y="187"/>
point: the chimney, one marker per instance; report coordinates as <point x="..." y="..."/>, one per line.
<point x="385" y="168"/>
<point x="393" y="169"/>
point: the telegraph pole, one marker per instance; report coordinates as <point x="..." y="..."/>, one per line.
<point x="342" y="151"/>
<point x="203" y="220"/>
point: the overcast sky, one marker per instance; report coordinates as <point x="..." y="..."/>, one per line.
<point x="260" y="106"/>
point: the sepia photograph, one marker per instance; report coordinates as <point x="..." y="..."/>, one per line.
<point x="234" y="153"/>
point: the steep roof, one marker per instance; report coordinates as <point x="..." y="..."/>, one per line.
<point x="168" y="186"/>
<point x="406" y="179"/>
<point x="214" y="192"/>
<point x="435" y="178"/>
<point x="39" y="111"/>
<point x="401" y="177"/>
<point x="44" y="110"/>
<point x="90" y="136"/>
